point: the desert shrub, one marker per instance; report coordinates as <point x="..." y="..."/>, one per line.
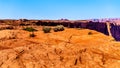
<point x="32" y="35"/>
<point x="58" y="28"/>
<point x="55" y="29"/>
<point x="90" y="33"/>
<point x="30" y="29"/>
<point x="46" y="29"/>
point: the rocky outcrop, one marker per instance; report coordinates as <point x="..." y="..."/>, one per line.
<point x="115" y="30"/>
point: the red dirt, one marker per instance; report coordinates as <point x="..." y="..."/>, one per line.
<point x="71" y="48"/>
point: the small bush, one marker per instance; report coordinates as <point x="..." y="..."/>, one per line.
<point x="46" y="29"/>
<point x="90" y="33"/>
<point x="58" y="28"/>
<point x="55" y="29"/>
<point x="30" y="29"/>
<point x="32" y="35"/>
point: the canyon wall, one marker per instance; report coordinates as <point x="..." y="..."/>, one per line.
<point x="115" y="30"/>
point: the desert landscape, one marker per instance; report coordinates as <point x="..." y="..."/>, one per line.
<point x="59" y="33"/>
<point x="58" y="44"/>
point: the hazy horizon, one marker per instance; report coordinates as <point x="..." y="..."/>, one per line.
<point x="57" y="9"/>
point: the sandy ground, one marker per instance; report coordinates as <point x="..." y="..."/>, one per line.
<point x="72" y="48"/>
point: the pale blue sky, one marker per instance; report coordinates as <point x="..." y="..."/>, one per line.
<point x="57" y="9"/>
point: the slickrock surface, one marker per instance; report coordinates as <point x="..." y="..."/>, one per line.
<point x="72" y="48"/>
